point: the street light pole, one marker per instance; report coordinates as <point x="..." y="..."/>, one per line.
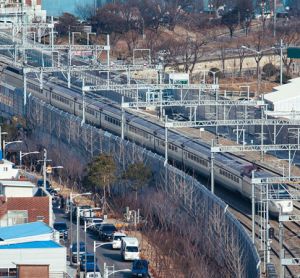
<point x="9" y="143"/>
<point x="77" y="239"/>
<point x="73" y="34"/>
<point x="44" y="169"/>
<point x="24" y="154"/>
<point x="85" y="230"/>
<point x="275" y="15"/>
<point x="257" y="59"/>
<point x="88" y="37"/>
<point x="1" y="133"/>
<point x="73" y="196"/>
<point x="281" y="66"/>
<point x="96" y="245"/>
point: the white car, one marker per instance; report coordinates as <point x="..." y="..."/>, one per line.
<point x="117" y="239"/>
<point x="91" y="275"/>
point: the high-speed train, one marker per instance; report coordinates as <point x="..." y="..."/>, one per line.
<point x="230" y="171"/>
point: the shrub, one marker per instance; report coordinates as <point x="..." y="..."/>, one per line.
<point x="269" y="69"/>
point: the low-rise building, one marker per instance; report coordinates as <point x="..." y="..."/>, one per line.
<point x="22" y="210"/>
<point x="28" y="250"/>
<point x="16" y="188"/>
<point x="12" y="11"/>
<point x="35" y="231"/>
<point x="284" y="99"/>
<point x="7" y="169"/>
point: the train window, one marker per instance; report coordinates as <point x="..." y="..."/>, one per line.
<point x="197" y="159"/>
<point x="60" y="99"/>
<point x="139" y="132"/>
<point x="229" y="175"/>
<point x="173" y="147"/>
<point x="6" y="100"/>
<point x="33" y="87"/>
<point x="90" y="111"/>
<point x="112" y="120"/>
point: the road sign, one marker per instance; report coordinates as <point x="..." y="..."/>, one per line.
<point x="293" y="52"/>
<point x="291" y="261"/>
<point x="49" y="170"/>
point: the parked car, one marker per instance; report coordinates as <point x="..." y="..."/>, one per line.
<point x="106" y="231"/>
<point x="130" y="249"/>
<point x="93" y="222"/>
<point x="40" y="183"/>
<point x="92" y="275"/>
<point x="87" y="262"/>
<point x="62" y="228"/>
<point x="117" y="239"/>
<point x="83" y="213"/>
<point x="73" y="251"/>
<point x="53" y="192"/>
<point x="139" y="268"/>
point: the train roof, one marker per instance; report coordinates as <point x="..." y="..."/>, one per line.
<point x="189" y="144"/>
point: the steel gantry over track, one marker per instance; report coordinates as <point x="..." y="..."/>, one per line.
<point x="262" y="194"/>
<point x="266" y="193"/>
<point x="152" y="87"/>
<point x="191" y="103"/>
<point x="244" y="122"/>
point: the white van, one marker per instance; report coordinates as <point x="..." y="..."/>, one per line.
<point x="130" y="248"/>
<point x="117" y="239"/>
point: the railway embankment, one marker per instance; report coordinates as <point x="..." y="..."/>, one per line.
<point x="217" y="237"/>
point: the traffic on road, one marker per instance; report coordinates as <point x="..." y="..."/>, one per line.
<point x="104" y="250"/>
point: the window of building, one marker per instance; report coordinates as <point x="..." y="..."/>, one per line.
<point x="15" y="217"/>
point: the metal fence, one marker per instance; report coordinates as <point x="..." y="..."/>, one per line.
<point x="232" y="245"/>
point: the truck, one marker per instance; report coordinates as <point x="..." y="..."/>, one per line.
<point x="130" y="248"/>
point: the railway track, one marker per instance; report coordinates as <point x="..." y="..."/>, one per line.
<point x="246" y="221"/>
<point x="292" y="229"/>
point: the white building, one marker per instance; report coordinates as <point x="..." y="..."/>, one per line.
<point x="8" y="170"/>
<point x="16" y="188"/>
<point x="285" y="99"/>
<point x="31" y="245"/>
<point x="28" y="232"/>
<point x="12" y="11"/>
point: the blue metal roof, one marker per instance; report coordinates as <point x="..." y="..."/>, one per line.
<point x="32" y="244"/>
<point x="24" y="230"/>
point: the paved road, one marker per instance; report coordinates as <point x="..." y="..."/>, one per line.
<point x="104" y="253"/>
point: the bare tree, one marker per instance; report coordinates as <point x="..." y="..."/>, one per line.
<point x="290" y="35"/>
<point x="241" y="53"/>
<point x="86" y="11"/>
<point x="131" y="38"/>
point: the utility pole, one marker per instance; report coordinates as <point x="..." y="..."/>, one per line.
<point x="212" y="178"/>
<point x="274" y="17"/>
<point x="83" y="104"/>
<point x="122" y="119"/>
<point x="44" y="169"/>
<point x="281" y="63"/>
<point x="166" y="142"/>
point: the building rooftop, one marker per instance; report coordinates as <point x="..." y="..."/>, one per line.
<point x="17" y="183"/>
<point x="24" y="230"/>
<point x="32" y="245"/>
<point x="284" y="92"/>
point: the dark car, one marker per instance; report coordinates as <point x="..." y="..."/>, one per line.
<point x="73" y="251"/>
<point x="40" y="183"/>
<point x="139" y="268"/>
<point x="89" y="263"/>
<point x="62" y="228"/>
<point x="106" y="231"/>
